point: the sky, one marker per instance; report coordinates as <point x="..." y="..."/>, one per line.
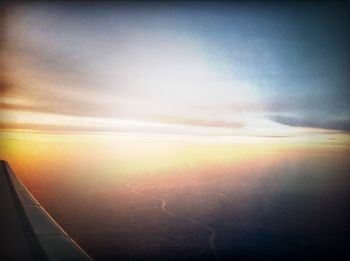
<point x="232" y="71"/>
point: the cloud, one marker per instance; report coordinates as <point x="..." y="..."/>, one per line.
<point x="200" y="122"/>
<point x="98" y="106"/>
<point x="25" y="120"/>
<point x="149" y="66"/>
<point x="5" y="86"/>
<point x="331" y="124"/>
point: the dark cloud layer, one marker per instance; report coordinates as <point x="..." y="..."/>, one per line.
<point x="332" y="124"/>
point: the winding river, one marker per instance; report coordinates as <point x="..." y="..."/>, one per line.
<point x="211" y="239"/>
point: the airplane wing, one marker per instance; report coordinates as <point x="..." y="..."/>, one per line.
<point x="27" y="231"/>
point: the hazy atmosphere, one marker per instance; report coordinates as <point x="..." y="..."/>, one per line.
<point x="182" y="130"/>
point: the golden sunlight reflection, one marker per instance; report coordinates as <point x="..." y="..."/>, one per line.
<point x="136" y="186"/>
<point x="129" y="157"/>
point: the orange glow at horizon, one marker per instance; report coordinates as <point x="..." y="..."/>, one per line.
<point x="132" y="157"/>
